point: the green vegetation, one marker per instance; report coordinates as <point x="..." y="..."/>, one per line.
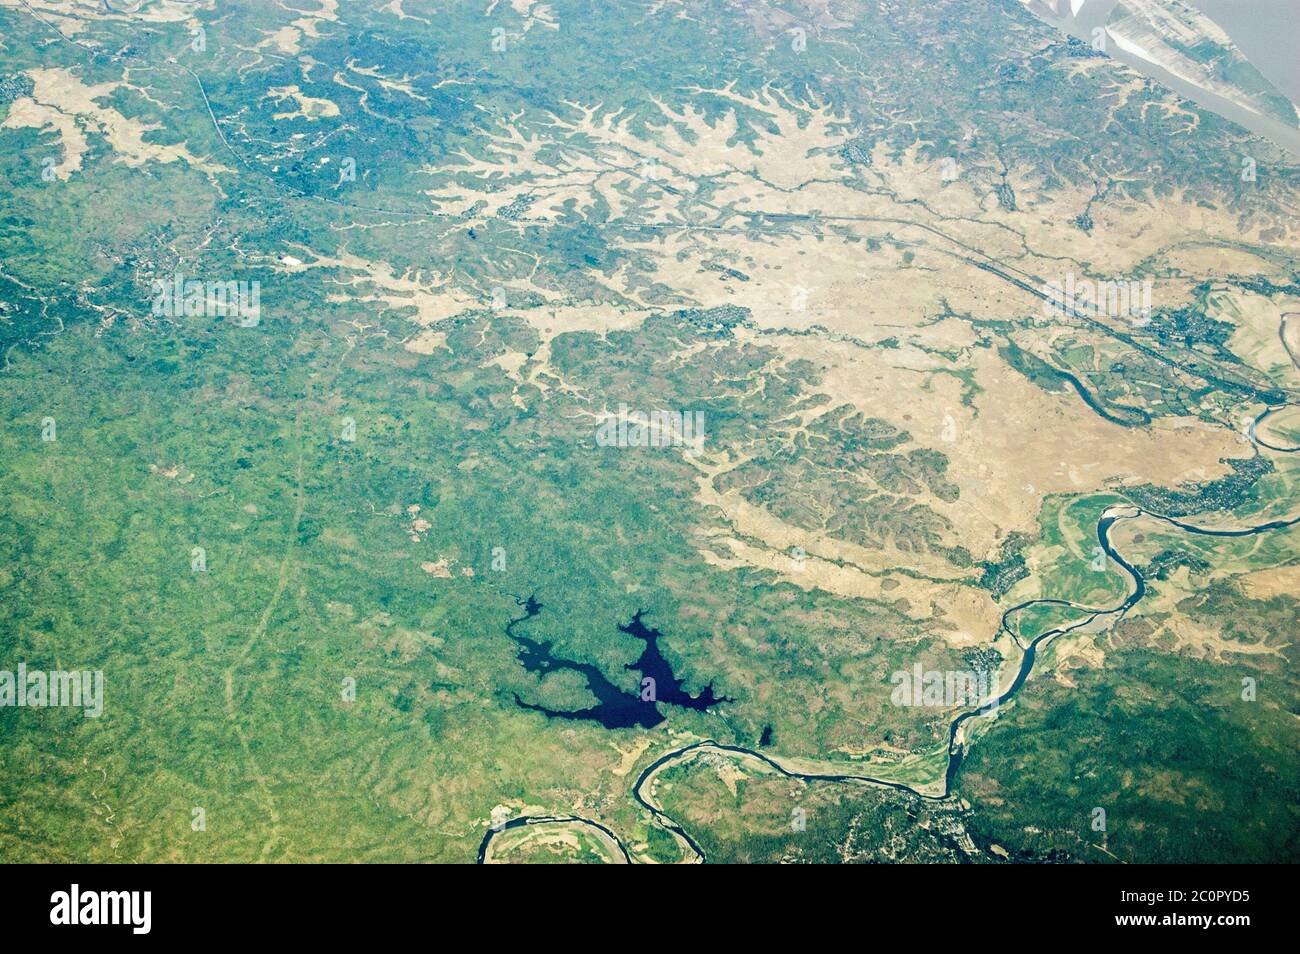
<point x="1184" y="769"/>
<point x="293" y="547"/>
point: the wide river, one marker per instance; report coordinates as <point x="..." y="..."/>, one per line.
<point x="1265" y="32"/>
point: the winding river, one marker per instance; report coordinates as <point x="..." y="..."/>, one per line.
<point x="643" y="789"/>
<point x="1293" y="352"/>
